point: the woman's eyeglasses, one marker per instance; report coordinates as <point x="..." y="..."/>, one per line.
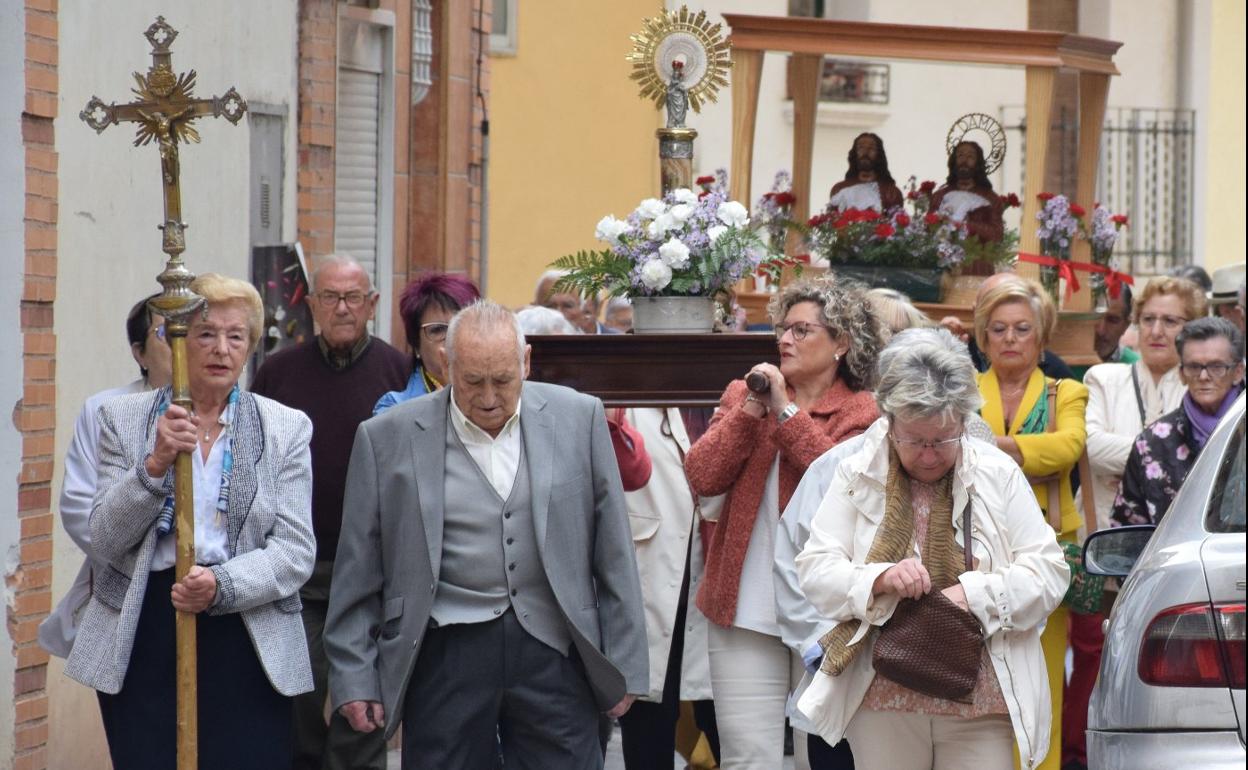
<point x="918" y="446"/>
<point x="1169" y="322"/>
<point x="1216" y="371"/>
<point x="800" y="329"/>
<point x="435" y="331"/>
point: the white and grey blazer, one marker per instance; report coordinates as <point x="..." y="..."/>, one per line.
<point x="272" y="549"/>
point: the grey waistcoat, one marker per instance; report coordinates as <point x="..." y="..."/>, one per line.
<point x="489" y="553"/>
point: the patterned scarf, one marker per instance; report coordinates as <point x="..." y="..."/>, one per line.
<point x="892" y="543"/>
<point x="164" y="522"/>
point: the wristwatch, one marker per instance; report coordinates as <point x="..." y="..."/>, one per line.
<point x="787" y="412"/>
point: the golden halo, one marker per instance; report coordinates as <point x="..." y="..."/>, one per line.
<point x="686" y="36"/>
<point x="978" y="121"/>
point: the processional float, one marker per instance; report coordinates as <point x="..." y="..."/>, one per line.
<point x="164" y="110"/>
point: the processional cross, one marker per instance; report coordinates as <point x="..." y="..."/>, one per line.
<point x="164" y="111"/>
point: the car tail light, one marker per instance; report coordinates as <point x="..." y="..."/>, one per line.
<point x="1195" y="645"/>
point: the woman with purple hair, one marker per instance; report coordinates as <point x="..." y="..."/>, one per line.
<point x="426" y="308"/>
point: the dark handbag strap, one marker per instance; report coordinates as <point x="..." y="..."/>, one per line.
<point x="966" y="535"/>
<point x="1139" y="397"/>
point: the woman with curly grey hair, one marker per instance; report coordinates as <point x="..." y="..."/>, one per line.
<point x="889" y="536"/>
<point x="755" y="451"/>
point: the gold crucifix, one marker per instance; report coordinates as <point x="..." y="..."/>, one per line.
<point x="164" y="111"/>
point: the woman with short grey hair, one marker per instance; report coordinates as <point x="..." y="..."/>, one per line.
<point x="888" y="534"/>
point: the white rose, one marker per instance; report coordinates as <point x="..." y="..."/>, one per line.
<point x="733" y="214"/>
<point x="686" y="196"/>
<point x="681" y="212"/>
<point x="656" y="275"/>
<point x="674" y="254"/>
<point x="610" y="229"/>
<point x="651" y="208"/>
<point x="714" y="232"/>
<point x="662" y="225"/>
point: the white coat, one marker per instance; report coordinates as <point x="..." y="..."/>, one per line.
<point x="1021" y="578"/>
<point x="1113" y="421"/>
<point x="665" y="530"/>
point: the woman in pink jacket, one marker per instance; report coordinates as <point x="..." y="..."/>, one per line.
<point x="755" y="451"/>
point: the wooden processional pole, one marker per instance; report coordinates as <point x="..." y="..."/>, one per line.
<point x="164" y="111"/>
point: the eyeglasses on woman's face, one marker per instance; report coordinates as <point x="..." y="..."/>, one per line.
<point x="435" y="331"/>
<point x="1170" y="323"/>
<point x="1021" y="331"/>
<point x="1216" y="370"/>
<point x="918" y="445"/>
<point x="801" y="329"/>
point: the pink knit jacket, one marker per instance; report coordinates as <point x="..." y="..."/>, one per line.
<point x="735" y="456"/>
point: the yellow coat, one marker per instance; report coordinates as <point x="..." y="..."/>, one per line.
<point x="1044" y="453"/>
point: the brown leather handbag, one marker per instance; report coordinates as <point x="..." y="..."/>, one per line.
<point x="931" y="645"/>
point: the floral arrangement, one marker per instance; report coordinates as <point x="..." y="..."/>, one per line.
<point x="1060" y="221"/>
<point x="774" y="211"/>
<point x="1101" y="234"/>
<point x="684" y="244"/>
<point x="912" y="235"/>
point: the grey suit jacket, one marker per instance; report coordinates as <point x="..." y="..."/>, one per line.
<point x="272" y="549"/>
<point x="386" y="570"/>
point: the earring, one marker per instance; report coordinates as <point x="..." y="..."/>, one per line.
<point x="836" y="356"/>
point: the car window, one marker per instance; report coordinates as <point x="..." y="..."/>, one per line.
<point x="1226" y="509"/>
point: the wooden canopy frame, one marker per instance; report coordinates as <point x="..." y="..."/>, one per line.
<point x="1042" y="54"/>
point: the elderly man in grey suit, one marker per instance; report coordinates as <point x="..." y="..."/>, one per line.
<point x="485" y="590"/>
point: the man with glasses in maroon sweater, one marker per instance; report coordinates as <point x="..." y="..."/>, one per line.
<point x="335" y="379"/>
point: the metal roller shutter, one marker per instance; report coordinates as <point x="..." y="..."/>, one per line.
<point x="355" y="166"/>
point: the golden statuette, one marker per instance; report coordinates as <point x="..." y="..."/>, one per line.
<point x="686" y="37"/>
<point x="679" y="59"/>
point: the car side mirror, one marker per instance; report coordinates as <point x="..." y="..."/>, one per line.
<point x="1113" y="552"/>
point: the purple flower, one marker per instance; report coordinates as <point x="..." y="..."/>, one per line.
<point x="1141" y="446"/>
<point x="1160" y="429"/>
<point x="1152" y="470"/>
<point x="1182" y="452"/>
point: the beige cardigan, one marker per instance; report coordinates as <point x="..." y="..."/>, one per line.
<point x="1113" y="422"/>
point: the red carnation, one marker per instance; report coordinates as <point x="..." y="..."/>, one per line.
<point x="1119" y="219"/>
<point x="902" y="219"/>
<point x="1045" y="197"/>
<point x="927" y="187"/>
<point x="870" y="215"/>
<point x="931" y="218"/>
<point x="708" y="179"/>
<point x="912" y="195"/>
<point x="784" y="199"/>
<point x="817" y="220"/>
<point x="884" y="230"/>
<point x="1012" y="201"/>
<point x="842" y="223"/>
<point x="1077" y="210"/>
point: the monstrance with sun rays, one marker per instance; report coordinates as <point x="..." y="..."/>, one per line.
<point x="680" y="60"/>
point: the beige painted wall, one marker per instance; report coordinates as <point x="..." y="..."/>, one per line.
<point x="110" y="204"/>
<point x="1223" y="219"/>
<point x="570" y="140"/>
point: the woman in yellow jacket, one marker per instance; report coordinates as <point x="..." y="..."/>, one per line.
<point x="1040" y="423"/>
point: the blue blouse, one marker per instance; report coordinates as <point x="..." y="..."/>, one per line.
<point x="415" y="387"/>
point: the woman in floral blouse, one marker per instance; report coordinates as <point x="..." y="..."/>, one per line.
<point x="1212" y="354"/>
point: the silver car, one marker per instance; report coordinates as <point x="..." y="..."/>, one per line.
<point x="1171" y="687"/>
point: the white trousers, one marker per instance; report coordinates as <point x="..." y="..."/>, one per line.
<point x="752" y="675"/>
<point x="897" y="740"/>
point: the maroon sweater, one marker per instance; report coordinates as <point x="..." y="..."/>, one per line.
<point x="735" y="456"/>
<point x="336" y="402"/>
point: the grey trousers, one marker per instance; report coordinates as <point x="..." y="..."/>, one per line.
<point x="321" y="746"/>
<point x="483" y="688"/>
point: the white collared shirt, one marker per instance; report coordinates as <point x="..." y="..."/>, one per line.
<point x="211" y="531"/>
<point x="498" y="458"/>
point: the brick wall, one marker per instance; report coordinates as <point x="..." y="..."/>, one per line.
<point x="35" y="415"/>
<point x="318" y="50"/>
